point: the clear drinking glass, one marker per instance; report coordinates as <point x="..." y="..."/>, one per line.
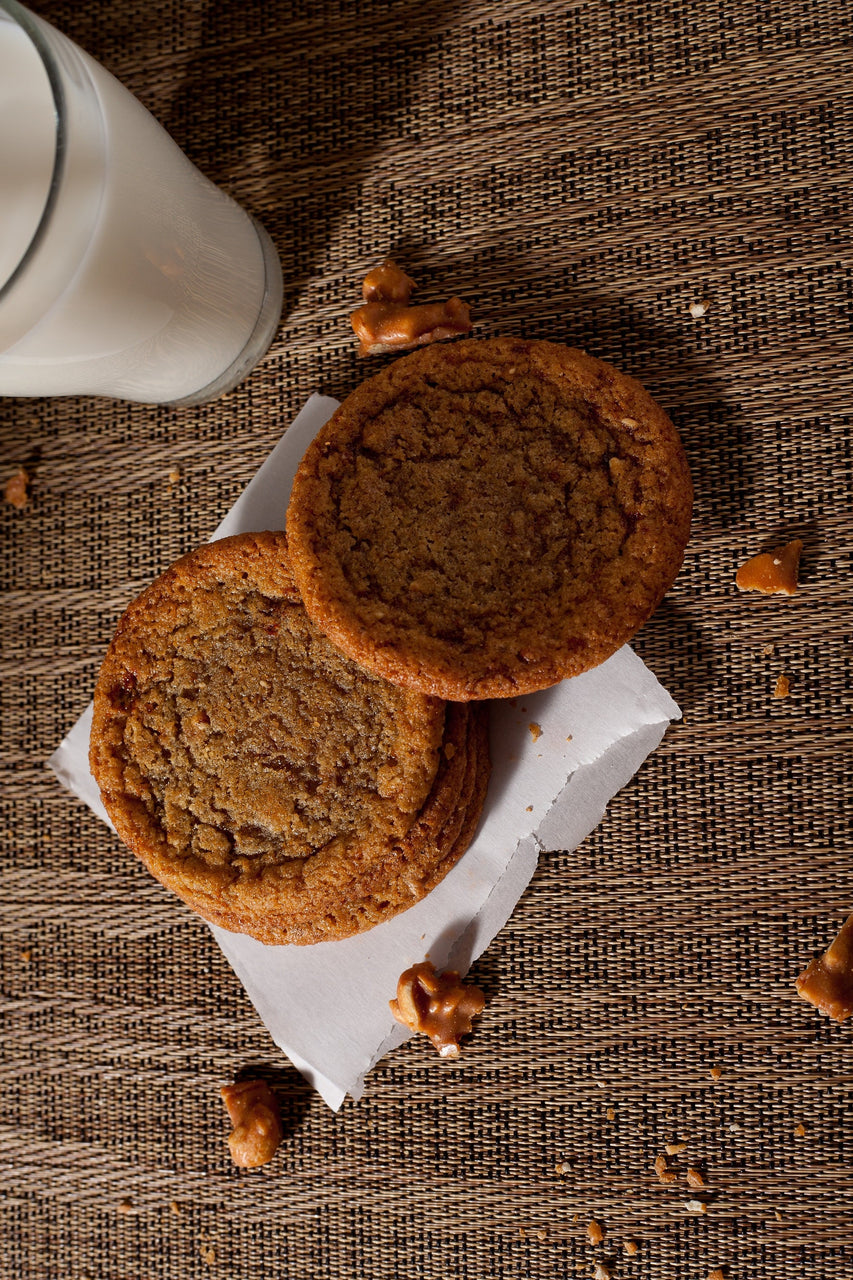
<point x="123" y="271"/>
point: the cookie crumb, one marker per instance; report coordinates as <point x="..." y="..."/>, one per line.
<point x="208" y="1253"/>
<point x="699" y="309"/>
<point x="716" y="1073"/>
<point x="800" y="1131"/>
<point x="125" y="1205"/>
<point x="768" y="650"/>
<point x="716" y="1274"/>
<point x="541" y="1234"/>
<point x="561" y="1168"/>
<point x="569" y="737"/>
<point x="611" y="1113"/>
<point x="695" y="1206"/>
<point x="522" y="1233"/>
<point x="26" y="955"/>
<point x="600" y="1272"/>
<point x="631" y="1248"/>
<point x="535" y="731"/>
<point x="694" y="1178"/>
<point x="529" y="809"/>
<point x="176" y="1208"/>
<point x="664" y="1174"/>
<point x="16" y="491"/>
<point x="675" y="1148"/>
<point x="175" y="476"/>
<point x="783" y="687"/>
<point x="595" y="1231"/>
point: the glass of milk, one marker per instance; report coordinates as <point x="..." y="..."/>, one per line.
<point x="123" y="271"/>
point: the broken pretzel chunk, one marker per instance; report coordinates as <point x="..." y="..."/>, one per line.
<point x="16" y="490"/>
<point x="694" y="1178"/>
<point x="387" y="283"/>
<point x="394" y="326"/>
<point x="438" y="1005"/>
<point x="254" y="1113"/>
<point x="772" y="572"/>
<point x="827" y="983"/>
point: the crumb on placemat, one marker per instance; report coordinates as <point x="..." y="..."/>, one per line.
<point x="665" y="1175"/>
<point x="595" y="1231"/>
<point x="535" y="730"/>
<point x="16" y="491"/>
<point x="631" y="1248"/>
<point x="716" y="1073"/>
<point x="694" y="1178"/>
<point x="783" y="687"/>
<point x="695" y="1206"/>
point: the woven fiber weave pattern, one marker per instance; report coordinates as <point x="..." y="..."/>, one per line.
<point x="583" y="172"/>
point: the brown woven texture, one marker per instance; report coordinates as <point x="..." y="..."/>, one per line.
<point x="580" y="172"/>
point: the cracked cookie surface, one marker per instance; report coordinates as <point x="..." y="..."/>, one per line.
<point x="248" y="763"/>
<point x="484" y="518"/>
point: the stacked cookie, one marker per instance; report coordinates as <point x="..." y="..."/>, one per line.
<point x="276" y="786"/>
<point x="290" y="731"/>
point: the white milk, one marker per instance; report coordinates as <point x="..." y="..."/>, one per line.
<point x="162" y="277"/>
<point x="27" y="143"/>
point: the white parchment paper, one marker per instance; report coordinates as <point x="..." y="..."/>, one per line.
<point x="558" y="758"/>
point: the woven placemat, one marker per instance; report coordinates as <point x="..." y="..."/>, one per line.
<point x="579" y="171"/>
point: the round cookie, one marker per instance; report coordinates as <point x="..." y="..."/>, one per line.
<point x="249" y="764"/>
<point x="484" y="518"/>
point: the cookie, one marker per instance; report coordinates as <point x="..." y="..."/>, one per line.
<point x="411" y="867"/>
<point x="485" y="518"/>
<point x="254" y="769"/>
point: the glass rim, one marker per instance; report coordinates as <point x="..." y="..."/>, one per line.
<point x="32" y="28"/>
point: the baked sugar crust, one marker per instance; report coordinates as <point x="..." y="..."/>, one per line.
<point x="484" y="518"/>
